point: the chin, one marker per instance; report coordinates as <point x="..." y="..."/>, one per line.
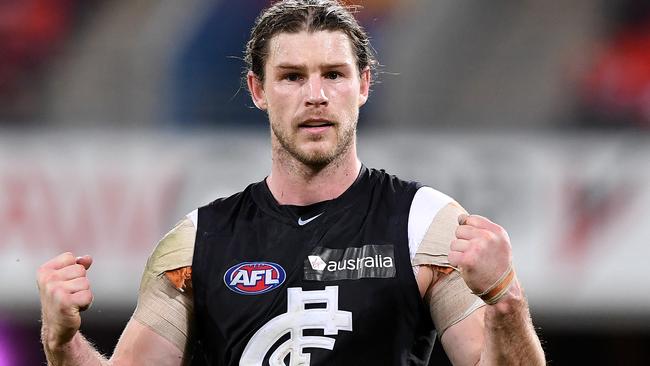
<point x="316" y="158"/>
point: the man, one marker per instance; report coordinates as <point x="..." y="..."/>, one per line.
<point x="325" y="262"/>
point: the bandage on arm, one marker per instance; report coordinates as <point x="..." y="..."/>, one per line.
<point x="449" y="299"/>
<point x="165" y="300"/>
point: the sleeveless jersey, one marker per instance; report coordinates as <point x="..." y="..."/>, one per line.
<point x="335" y="288"/>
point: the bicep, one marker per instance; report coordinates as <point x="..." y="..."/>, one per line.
<point x="159" y="329"/>
<point x="139" y="345"/>
<point x="464" y="340"/>
<point x="455" y="311"/>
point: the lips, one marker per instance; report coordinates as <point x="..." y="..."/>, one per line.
<point x="315" y="123"/>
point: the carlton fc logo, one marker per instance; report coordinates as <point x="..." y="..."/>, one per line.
<point x="253" y="278"/>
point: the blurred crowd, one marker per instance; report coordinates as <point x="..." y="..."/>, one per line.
<point x="615" y="90"/>
<point x="444" y="63"/>
<point x="32" y="34"/>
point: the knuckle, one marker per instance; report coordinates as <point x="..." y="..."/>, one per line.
<point x="481" y="246"/>
<point x="75" y="271"/>
<point x="501" y="232"/>
<point x="499" y="229"/>
<point x="47" y="275"/>
<point x="59" y="295"/>
<point x="469" y="261"/>
<point x="51" y="289"/>
<point x="43" y="275"/>
<point x="84" y="283"/>
<point x="86" y="296"/>
<point x="489" y="236"/>
<point x="67" y="257"/>
<point x="51" y="276"/>
<point x="475" y="244"/>
<point x="472" y="219"/>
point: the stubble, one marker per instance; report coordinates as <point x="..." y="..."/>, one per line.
<point x="315" y="160"/>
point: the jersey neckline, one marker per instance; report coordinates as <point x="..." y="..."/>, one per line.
<point x="291" y="214"/>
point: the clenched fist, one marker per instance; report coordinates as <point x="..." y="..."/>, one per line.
<point x="65" y="291"/>
<point x="483" y="255"/>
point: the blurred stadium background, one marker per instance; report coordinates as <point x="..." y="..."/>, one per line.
<point x="118" y="117"/>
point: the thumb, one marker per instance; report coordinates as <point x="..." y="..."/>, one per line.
<point x="85" y="261"/>
<point x="462" y="218"/>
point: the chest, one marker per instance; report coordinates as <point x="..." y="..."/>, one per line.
<point x="319" y="289"/>
<point x="361" y="254"/>
<point x="252" y="262"/>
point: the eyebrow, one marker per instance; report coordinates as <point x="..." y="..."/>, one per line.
<point x="287" y="66"/>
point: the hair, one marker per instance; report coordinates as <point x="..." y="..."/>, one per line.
<point x="293" y="16"/>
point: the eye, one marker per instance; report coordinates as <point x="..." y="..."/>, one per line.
<point x="292" y="77"/>
<point x="333" y="75"/>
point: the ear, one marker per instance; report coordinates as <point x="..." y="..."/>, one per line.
<point x="256" y="89"/>
<point x="364" y="87"/>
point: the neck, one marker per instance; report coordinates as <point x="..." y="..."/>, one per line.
<point x="294" y="183"/>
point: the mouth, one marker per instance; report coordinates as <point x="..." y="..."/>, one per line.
<point x="315" y="123"/>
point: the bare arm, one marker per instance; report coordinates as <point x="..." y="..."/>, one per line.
<point x="138" y="345"/>
<point x="500" y="334"/>
<point x="497" y="334"/>
<point x="65" y="291"/>
<point x="77" y="351"/>
<point x="464" y="340"/>
<point x="510" y="338"/>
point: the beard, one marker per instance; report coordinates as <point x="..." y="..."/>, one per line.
<point x="316" y="158"/>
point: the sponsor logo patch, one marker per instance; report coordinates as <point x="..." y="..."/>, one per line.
<point x="368" y="261"/>
<point x="253" y="278"/>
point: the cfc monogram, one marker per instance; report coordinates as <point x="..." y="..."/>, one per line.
<point x="330" y="319"/>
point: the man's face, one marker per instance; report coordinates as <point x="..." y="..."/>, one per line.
<point x="312" y="92"/>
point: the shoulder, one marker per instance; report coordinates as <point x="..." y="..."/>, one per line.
<point x="388" y="190"/>
<point x="427" y="202"/>
<point x="424" y="200"/>
<point x="223" y="209"/>
<point x="175" y="249"/>
<point x="395" y="183"/>
<point x="423" y="203"/>
<point x="165" y="296"/>
<point x="433" y="219"/>
<point x="174" y="253"/>
<point x="232" y="199"/>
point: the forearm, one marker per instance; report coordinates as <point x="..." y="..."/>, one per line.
<point x="510" y="338"/>
<point x="77" y="352"/>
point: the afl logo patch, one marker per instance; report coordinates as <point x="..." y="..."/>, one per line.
<point x="253" y="278"/>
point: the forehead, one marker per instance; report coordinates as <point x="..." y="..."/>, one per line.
<point x="329" y="47"/>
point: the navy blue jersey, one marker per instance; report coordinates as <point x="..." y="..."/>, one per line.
<point x="330" y="284"/>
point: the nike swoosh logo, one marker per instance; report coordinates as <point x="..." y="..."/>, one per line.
<point x="302" y="222"/>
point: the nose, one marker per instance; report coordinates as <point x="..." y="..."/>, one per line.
<point x="315" y="93"/>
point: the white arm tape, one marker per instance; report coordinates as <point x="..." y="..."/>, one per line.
<point x="162" y="307"/>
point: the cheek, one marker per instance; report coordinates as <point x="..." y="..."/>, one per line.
<point x="349" y="90"/>
<point x="346" y="96"/>
<point x="284" y="95"/>
<point x="284" y="106"/>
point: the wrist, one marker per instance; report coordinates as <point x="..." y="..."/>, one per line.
<point x="512" y="302"/>
<point x="76" y="351"/>
<point x="55" y="344"/>
<point x="499" y="289"/>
